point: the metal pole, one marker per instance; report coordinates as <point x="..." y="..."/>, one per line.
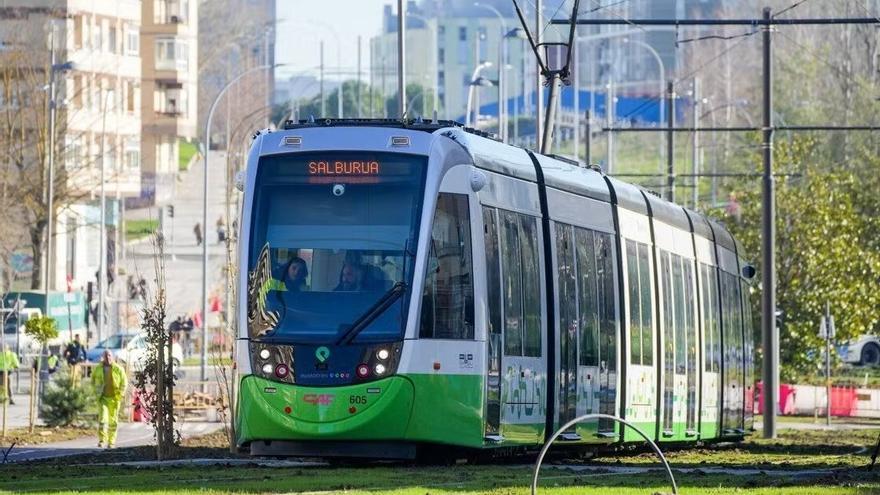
<point x="358" y="90"/>
<point x="502" y="101"/>
<point x="51" y="173"/>
<point x="588" y="138"/>
<point x="539" y="82"/>
<point x="828" y="327"/>
<point x="547" y="139"/>
<point x="370" y="90"/>
<point x="609" y="119"/>
<point x="204" y="370"/>
<point x="577" y="101"/>
<point x="695" y="158"/>
<point x="401" y="58"/>
<point x="102" y="235"/>
<point x="321" y="80"/>
<point x="670" y="142"/>
<point x="770" y="337"/>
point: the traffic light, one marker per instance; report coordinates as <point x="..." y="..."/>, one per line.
<point x="170" y="211"/>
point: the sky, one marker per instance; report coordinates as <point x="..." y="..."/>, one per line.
<point x="302" y="24"/>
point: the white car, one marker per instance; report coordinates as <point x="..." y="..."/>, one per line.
<point x="864" y="351"/>
<point x="131" y="348"/>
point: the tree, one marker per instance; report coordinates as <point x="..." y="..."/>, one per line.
<point x="823" y="254"/>
<point x="64" y="399"/>
<point x="311" y="107"/>
<point x="42" y="329"/>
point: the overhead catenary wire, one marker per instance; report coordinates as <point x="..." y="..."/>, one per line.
<point x="790" y="7"/>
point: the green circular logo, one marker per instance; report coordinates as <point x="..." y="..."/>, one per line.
<point x="322" y="353"/>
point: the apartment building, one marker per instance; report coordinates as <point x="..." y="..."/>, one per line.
<point x="169" y="107"/>
<point x="98" y="121"/>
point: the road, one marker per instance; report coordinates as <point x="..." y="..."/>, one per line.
<point x="183" y="265"/>
<point x="129" y="435"/>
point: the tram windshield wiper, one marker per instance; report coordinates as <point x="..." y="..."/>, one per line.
<point x="376" y="310"/>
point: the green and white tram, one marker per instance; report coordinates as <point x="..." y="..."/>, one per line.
<point x="420" y="285"/>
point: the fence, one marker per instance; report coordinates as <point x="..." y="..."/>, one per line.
<point x="854" y="402"/>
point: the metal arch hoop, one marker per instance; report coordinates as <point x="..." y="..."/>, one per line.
<point x="598" y="416"/>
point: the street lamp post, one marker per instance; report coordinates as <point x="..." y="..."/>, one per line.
<point x="471" y="88"/>
<point x="207" y="145"/>
<point x="502" y="64"/>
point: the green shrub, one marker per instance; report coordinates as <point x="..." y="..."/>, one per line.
<point x="63" y="403"/>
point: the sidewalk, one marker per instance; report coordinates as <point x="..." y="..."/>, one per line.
<point x="129" y="435"/>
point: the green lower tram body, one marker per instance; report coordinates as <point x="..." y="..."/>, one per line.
<point x="407" y="408"/>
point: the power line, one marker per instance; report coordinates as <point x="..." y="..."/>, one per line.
<point x="602" y="7"/>
<point x="790" y="7"/>
<point x="716" y="37"/>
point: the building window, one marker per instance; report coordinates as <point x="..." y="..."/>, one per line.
<point x="132" y="154"/>
<point x="111" y="39"/>
<point x="448" y="296"/>
<point x="98" y="37"/>
<point x="462" y="33"/>
<point x="171" y="54"/>
<point x="441" y="55"/>
<point x="132" y="41"/>
<point x="170" y="99"/>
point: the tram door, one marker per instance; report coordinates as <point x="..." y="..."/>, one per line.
<point x="493" y="336"/>
<point x="679" y="349"/>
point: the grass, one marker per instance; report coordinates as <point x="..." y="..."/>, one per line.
<point x="832" y="452"/>
<point x="187" y="151"/>
<point x="138" y="229"/>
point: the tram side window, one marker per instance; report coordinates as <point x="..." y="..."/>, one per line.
<point x="706" y="314"/>
<point x="530" y="286"/>
<point x="568" y="318"/>
<point x="587" y="295"/>
<point x="493" y="269"/>
<point x="511" y="269"/>
<point x="680" y="338"/>
<point x="606" y="293"/>
<point x="641" y="306"/>
<point x="635" y="316"/>
<point x="448" y="296"/>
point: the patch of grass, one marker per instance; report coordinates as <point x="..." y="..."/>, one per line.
<point x="409" y="480"/>
<point x="45" y="434"/>
<point x="187" y="151"/>
<point x="138" y="229"/>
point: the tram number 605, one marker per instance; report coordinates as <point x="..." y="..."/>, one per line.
<point x="357" y="399"/>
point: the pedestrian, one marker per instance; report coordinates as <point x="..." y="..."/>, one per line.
<point x="75" y="353"/>
<point x="8" y="364"/>
<point x="221" y="230"/>
<point x="142" y="289"/>
<point x="197" y="230"/>
<point x="109" y="382"/>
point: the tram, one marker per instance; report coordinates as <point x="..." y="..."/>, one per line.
<point x="420" y="285"/>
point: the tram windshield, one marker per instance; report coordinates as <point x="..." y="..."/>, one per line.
<point x="333" y="233"/>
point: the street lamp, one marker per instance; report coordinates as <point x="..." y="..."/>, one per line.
<point x="471" y="90"/>
<point x="502" y="61"/>
<point x="55" y="68"/>
<point x="207" y="153"/>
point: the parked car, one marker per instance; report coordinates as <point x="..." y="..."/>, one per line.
<point x="131" y="348"/>
<point x="864" y="351"/>
<point x="13" y="330"/>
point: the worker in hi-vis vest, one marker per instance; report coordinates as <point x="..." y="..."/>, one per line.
<point x="109" y="381"/>
<point x="8" y="364"/>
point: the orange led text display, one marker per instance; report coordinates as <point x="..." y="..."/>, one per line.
<point x="344" y="167"/>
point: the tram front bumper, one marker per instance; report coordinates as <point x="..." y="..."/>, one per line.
<point x="268" y="410"/>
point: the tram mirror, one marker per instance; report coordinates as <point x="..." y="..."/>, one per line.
<point x="749" y="272"/>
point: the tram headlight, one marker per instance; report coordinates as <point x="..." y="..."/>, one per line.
<point x="264" y="354"/>
<point x="383" y="354"/>
<point x="379" y="369"/>
<point x="267" y="368"/>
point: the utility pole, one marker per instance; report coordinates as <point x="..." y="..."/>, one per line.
<point x="695" y="158"/>
<point x="769" y="331"/>
<point x="670" y="141"/>
<point x="321" y="81"/>
<point x="358" y="91"/>
<point x="401" y="59"/>
<point x="539" y="80"/>
<point x="588" y="138"/>
<point x="609" y="121"/>
<point x="827" y="332"/>
<point x="50" y="199"/>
